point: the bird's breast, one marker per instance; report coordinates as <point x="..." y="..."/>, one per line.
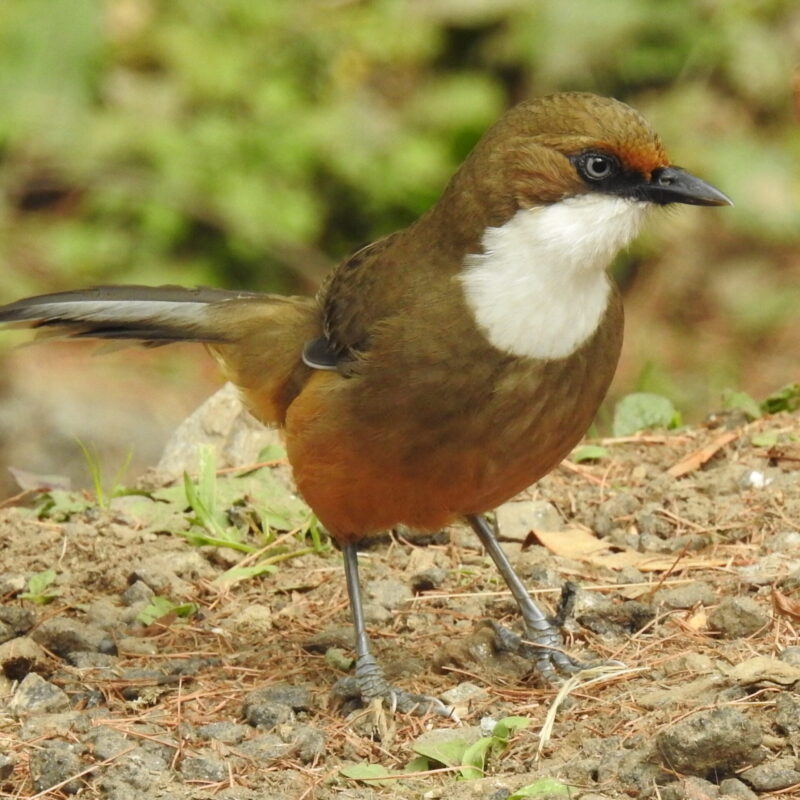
<point x="538" y="288"/>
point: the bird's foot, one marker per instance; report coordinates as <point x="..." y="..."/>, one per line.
<point x="543" y="647"/>
<point x="369" y="684"/>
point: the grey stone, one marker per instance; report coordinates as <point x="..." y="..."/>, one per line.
<point x="138" y="769"/>
<point x="791" y="655"/>
<point x="169" y="573"/>
<point x="308" y="743"/>
<point x="48" y="726"/>
<point x="376" y="614"/>
<point x="20" y="656"/>
<point x="622" y="618"/>
<point x="12" y="583"/>
<point x="463" y="693"/>
<point x="6" y="766"/>
<point x="107" y="742"/>
<point x="53" y="763"/>
<point x="35" y="695"/>
<point x="693" y="663"/>
<point x="650" y="521"/>
<point x="137" y="645"/>
<point x="226" y="732"/>
<point x="388" y="592"/>
<point x="114" y="788"/>
<point x="62" y="636"/>
<point x="690" y="789"/>
<point x="101" y="663"/>
<point x="267" y="747"/>
<point x="16" y="621"/>
<point x="772" y="776"/>
<point x="204" y="766"/>
<point x="721" y="739"/>
<point x="733" y="787"/>
<point x="688" y="596"/>
<point x="223" y="423"/>
<point x="737" y="617"/>
<point x="517" y="519"/>
<point x="787" y="713"/>
<point x="137" y="592"/>
<point x="265" y="708"/>
<point x="428" y="580"/>
<point x="335" y="636"/>
<point x="784" y="542"/>
<point x="298" y="698"/>
<point x="267" y="715"/>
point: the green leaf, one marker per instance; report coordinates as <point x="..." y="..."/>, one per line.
<point x="236" y="574"/>
<point x="508" y="726"/>
<point x="741" y="401"/>
<point x="766" y="439"/>
<point x="449" y="752"/>
<point x="786" y="399"/>
<point x="544" y="787"/>
<point x="417" y="764"/>
<point x="272" y="452"/>
<point x="60" y="505"/>
<point x="159" y="607"/>
<point x="474" y="759"/>
<point x="370" y="774"/>
<point x="37" y="587"/>
<point x="641" y="411"/>
<point x="588" y="452"/>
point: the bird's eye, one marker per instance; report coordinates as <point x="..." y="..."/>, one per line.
<point x="596" y="166"/>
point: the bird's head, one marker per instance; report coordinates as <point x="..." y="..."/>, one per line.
<point x="572" y="145"/>
<point x="575" y="143"/>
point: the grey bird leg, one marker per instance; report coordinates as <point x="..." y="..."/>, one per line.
<point x="542" y="642"/>
<point x="369" y="678"/>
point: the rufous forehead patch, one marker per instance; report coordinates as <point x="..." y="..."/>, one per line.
<point x="642" y="158"/>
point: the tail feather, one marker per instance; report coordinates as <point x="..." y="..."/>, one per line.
<point x="149" y="314"/>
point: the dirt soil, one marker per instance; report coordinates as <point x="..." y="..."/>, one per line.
<point x="685" y="547"/>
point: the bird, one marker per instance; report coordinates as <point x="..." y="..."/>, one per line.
<point x="446" y="367"/>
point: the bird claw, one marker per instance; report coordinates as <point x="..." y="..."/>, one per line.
<point x="369" y="684"/>
<point x="542" y="647"/>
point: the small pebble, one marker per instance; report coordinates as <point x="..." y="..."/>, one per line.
<point x="22" y="655"/>
<point x="688" y="596"/>
<point x="137" y="592"/>
<point x="772" y="776"/>
<point x="62" y="635"/>
<point x="721" y="739"/>
<point x="53" y="763"/>
<point x="6" y="766"/>
<point x="738" y="617"/>
<point x="309" y="743"/>
<point x="35" y="695"/>
<point x="206" y="767"/>
<point x="225" y="732"/>
<point x="733" y="787"/>
<point x="791" y="655"/>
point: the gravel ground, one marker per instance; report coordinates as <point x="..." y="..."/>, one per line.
<point x="686" y="551"/>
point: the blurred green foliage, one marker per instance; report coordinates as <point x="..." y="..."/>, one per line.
<point x="250" y="143"/>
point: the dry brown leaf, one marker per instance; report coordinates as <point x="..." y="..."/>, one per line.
<point x="583" y="545"/>
<point x="696" y="459"/>
<point x="650" y="562"/>
<point x="698" y="621"/>
<point x="785" y="605"/>
<point x="575" y="543"/>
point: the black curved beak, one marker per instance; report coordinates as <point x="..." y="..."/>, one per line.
<point x="676" y="185"/>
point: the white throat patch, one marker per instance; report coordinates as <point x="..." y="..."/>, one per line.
<point x="539" y="288"/>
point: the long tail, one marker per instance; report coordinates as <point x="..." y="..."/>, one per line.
<point x="152" y="315"/>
